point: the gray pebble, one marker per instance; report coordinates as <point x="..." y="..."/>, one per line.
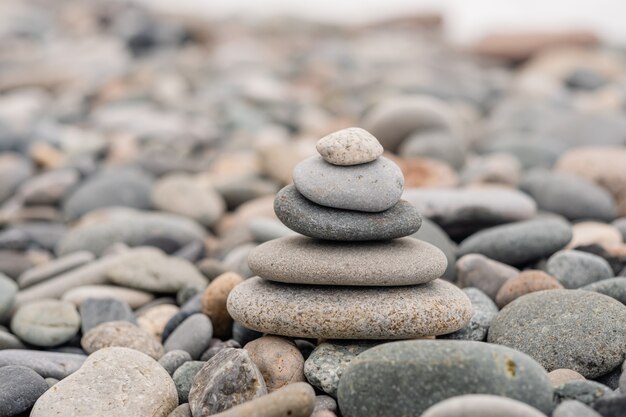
<point x="572" y="408"/>
<point x="192" y="335"/>
<point x="483" y="312"/>
<point x="173" y="359"/>
<point x="94" y="311"/>
<point x="47" y="364"/>
<point x="613" y="287"/>
<point x="183" y="378"/>
<point x="587" y="392"/>
<point x="20" y="387"/>
<point x="575" y="269"/>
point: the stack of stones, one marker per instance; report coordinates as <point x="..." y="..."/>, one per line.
<point x="354" y="274"/>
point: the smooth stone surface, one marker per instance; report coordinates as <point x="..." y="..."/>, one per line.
<point x="14" y="170"/>
<point x="47" y="364"/>
<point x="572" y="408"/>
<point x="192" y="335"/>
<point x="154" y="319"/>
<point x="174" y="359"/>
<point x="521" y="242"/>
<point x="590" y="233"/>
<point x="611" y="406"/>
<point x="182" y="410"/>
<point x="95" y="311"/>
<point x="587" y="392"/>
<point x="483" y="312"/>
<point x="9" y="341"/>
<point x="575" y="269"/>
<point x="294" y="400"/>
<point x="121" y="334"/>
<point x="153" y="271"/>
<point x="113" y="382"/>
<point x="475" y="270"/>
<point x="313" y="220"/>
<point x="8" y="289"/>
<point x="121" y="188"/>
<point x="48" y="188"/>
<point x="228" y="379"/>
<point x="372" y="187"/>
<point x="54" y="267"/>
<point x="526" y="282"/>
<point x="572" y="197"/>
<point x="433" y="234"/>
<point x="264" y="230"/>
<point x="46" y="323"/>
<point x="134" y="298"/>
<point x="214" y="300"/>
<point x="278" y="359"/>
<point x="477" y="405"/>
<point x="326" y="364"/>
<point x="463" y="211"/>
<point x="218" y="345"/>
<point x="131" y="227"/>
<point x="302" y="260"/>
<point x="437" y="307"/>
<point x="613" y="287"/>
<point x="20" y="387"/>
<point x="620" y="224"/>
<point x="192" y="306"/>
<point x="183" y="378"/>
<point x="435" y="144"/>
<point x="351" y="146"/>
<point x="406" y="378"/>
<point x="561" y="376"/>
<point x="578" y="330"/>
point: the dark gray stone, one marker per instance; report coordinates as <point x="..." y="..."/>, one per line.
<point x="573" y="329"/>
<point x="173" y="360"/>
<point x="192" y="335"/>
<point x="613" y="287"/>
<point x="484" y="310"/>
<point x="611" y="379"/>
<point x="520" y="242"/>
<point x="587" y="392"/>
<point x="226" y="380"/>
<point x="584" y="79"/>
<point x="573" y="197"/>
<point x="183" y="378"/>
<point x="430" y="232"/>
<point x="20" y="387"/>
<point x="575" y="269"/>
<point x="216" y="346"/>
<point x="611" y="406"/>
<point x="191" y="307"/>
<point x="8" y="290"/>
<point x="95" y="311"/>
<point x="405" y="378"/>
<point x="571" y="408"/>
<point x="243" y="335"/>
<point x="47" y="364"/>
<point x="313" y="220"/>
<point x="621" y="226"/>
<point x="9" y="341"/>
<point x="182" y="410"/>
<point x="435" y="144"/>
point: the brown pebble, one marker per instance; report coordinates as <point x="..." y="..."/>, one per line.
<point x="525" y="283"/>
<point x="561" y="376"/>
<point x="278" y="359"/>
<point x="214" y="303"/>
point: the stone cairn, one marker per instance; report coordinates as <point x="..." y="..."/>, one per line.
<point x="354" y="274"/>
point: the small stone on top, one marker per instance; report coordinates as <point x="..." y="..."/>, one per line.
<point x="351" y="146"/>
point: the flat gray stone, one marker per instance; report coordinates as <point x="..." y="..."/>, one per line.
<point x="47" y="364"/>
<point x="14" y="170"/>
<point x="46" y="323"/>
<point x="430" y="232"/>
<point x="575" y="269"/>
<point x="521" y="242"/>
<point x="484" y="310"/>
<point x="313" y="220"/>
<point x="173" y="359"/>
<point x="406" y="378"/>
<point x="435" y="144"/>
<point x="613" y="287"/>
<point x="113" y="382"/>
<point x="372" y="187"/>
<point x="351" y="146"/>
<point x="621" y="226"/>
<point x="587" y="392"/>
<point x="183" y="378"/>
<point x="573" y="329"/>
<point x="9" y="341"/>
<point x="435" y="308"/>
<point x="572" y="408"/>
<point x="20" y="387"/>
<point x="54" y="267"/>
<point x="95" y="311"/>
<point x="611" y="406"/>
<point x="8" y="289"/>
<point x="193" y="336"/>
<point x="475" y="270"/>
<point x="480" y="405"/>
<point x="302" y="260"/>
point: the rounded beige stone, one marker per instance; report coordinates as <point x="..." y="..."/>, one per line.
<point x="278" y="359"/>
<point x="134" y="298"/>
<point x="121" y="334"/>
<point x="561" y="376"/>
<point x="154" y="319"/>
<point x="351" y="146"/>
<point x="435" y="308"/>
<point x="525" y="283"/>
<point x="214" y="303"/>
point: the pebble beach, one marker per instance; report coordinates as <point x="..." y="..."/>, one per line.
<point x="281" y="218"/>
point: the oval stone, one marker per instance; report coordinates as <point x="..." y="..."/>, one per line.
<point x="435" y="308"/>
<point x="574" y="329"/>
<point x="480" y="405"/>
<point x="46" y="322"/>
<point x="613" y="287"/>
<point x="575" y="269"/>
<point x="351" y="146"/>
<point x="373" y="187"/>
<point x="313" y="220"/>
<point x="301" y="260"/>
<point x="20" y="387"/>
<point x="405" y="378"/>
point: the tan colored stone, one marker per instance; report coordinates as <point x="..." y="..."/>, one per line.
<point x="561" y="376"/>
<point x="475" y="270"/>
<point x="121" y="334"/>
<point x="351" y="146"/>
<point x="525" y="283"/>
<point x="214" y="303"/>
<point x="426" y="172"/>
<point x="134" y="298"/>
<point x="154" y="319"/>
<point x="278" y="359"/>
<point x="588" y="233"/>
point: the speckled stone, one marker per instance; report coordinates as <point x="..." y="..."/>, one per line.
<point x="572" y="408"/>
<point x="351" y="146"/>
<point x="372" y="187"/>
<point x="228" y="379"/>
<point x="587" y="392"/>
<point x="95" y="311"/>
<point x="613" y="287"/>
<point x="521" y="242"/>
<point x="477" y="405"/>
<point x="326" y="364"/>
<point x="294" y="400"/>
<point x="574" y="329"/>
<point x="192" y="335"/>
<point x="483" y="312"/>
<point x="154" y="319"/>
<point x="113" y="382"/>
<point x="47" y="364"/>
<point x="302" y="260"/>
<point x="173" y="359"/>
<point x="575" y="269"/>
<point x="561" y="376"/>
<point x="313" y="220"/>
<point x="526" y="282"/>
<point x="350" y="313"/>
<point x="405" y="378"/>
<point x="214" y="302"/>
<point x="183" y="378"/>
<point x="121" y="334"/>
<point x="46" y="323"/>
<point x="475" y="270"/>
<point x="278" y="359"/>
<point x="20" y="387"/>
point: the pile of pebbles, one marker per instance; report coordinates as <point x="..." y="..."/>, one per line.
<point x="176" y="240"/>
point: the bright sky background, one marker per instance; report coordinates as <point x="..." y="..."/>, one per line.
<point x="467" y="20"/>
